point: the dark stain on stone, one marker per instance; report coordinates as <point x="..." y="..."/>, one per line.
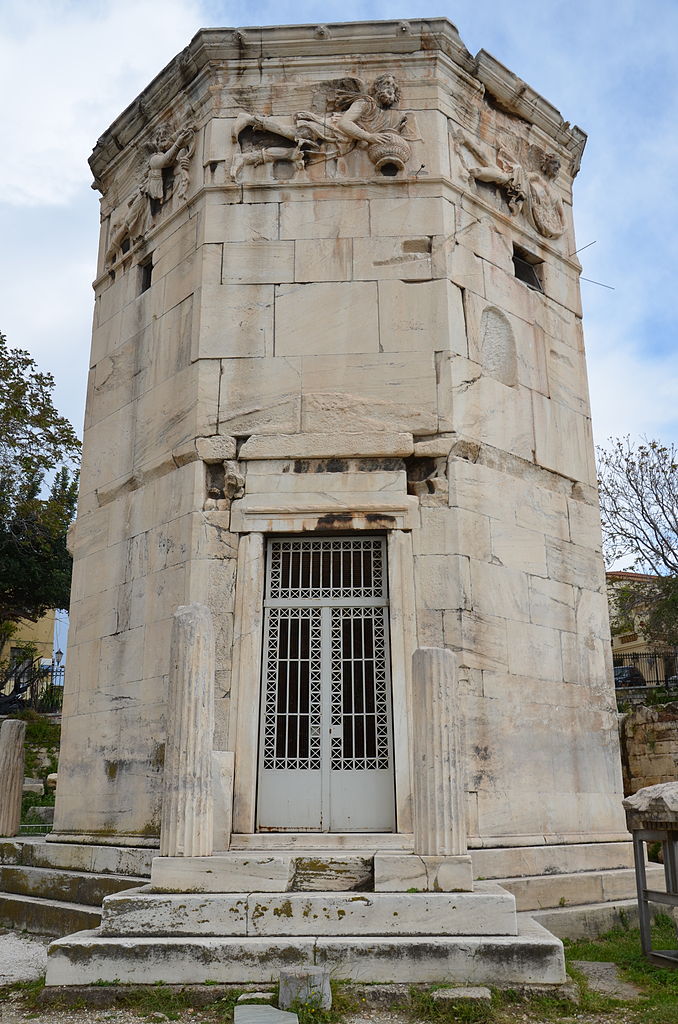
<point x="381" y="465"/>
<point x="417" y="244"/>
<point x="334" y="520"/>
<point x="379" y="520"/>
<point x="158" y="756"/>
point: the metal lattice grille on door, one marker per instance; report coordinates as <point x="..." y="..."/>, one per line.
<point x="326" y="617"/>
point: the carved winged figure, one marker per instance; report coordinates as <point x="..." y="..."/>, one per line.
<point x="165" y="149"/>
<point x="361" y="118"/>
<point x="526" y="191"/>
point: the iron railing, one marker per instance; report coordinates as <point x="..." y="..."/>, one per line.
<point x="31" y="684"/>
<point x="645" y="668"/>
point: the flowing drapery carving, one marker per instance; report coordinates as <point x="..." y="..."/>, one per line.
<point x="356" y="117"/>
<point x="166" y="151"/>
<point x="526" y="191"/>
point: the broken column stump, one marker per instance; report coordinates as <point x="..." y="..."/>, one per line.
<point x="12" y="735"/>
<point x="186" y="820"/>
<point x="439" y="783"/>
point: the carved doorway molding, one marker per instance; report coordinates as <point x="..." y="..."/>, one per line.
<point x="247" y="672"/>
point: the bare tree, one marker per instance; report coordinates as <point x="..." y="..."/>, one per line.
<point x="638" y="485"/>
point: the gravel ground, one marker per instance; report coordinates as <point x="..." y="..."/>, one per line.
<point x="22" y="957"/>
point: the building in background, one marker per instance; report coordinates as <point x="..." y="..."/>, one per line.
<point x="36" y="637"/>
<point x="637" y="660"/>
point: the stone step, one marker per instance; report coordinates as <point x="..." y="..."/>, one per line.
<point x="490" y="910"/>
<point x="550" y="891"/>
<point x="64" y="886"/>
<point x="117" y="860"/>
<point x="280" y="842"/>
<point x="299" y="871"/>
<point x="534" y="956"/>
<point x="557" y="859"/>
<point x="588" y="921"/>
<point x="45" y="917"/>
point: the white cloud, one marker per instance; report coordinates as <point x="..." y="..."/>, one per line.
<point x="66" y="71"/>
<point x="69" y="67"/>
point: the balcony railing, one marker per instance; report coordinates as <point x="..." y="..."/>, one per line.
<point x="32" y="684"/>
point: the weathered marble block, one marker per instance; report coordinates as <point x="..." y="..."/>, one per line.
<point x="12" y="734"/>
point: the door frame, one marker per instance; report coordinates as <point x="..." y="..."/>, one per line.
<point x="330" y="787"/>
<point x="247" y="656"/>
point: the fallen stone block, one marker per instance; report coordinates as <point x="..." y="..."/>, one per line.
<point x="255" y="997"/>
<point x="41" y="815"/>
<point x="251" y="1013"/>
<point x="466" y="994"/>
<point x="34" y="786"/>
<point x="606" y="979"/>
<point x="308" y="986"/>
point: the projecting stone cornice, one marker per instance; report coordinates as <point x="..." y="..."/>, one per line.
<point x="389" y="38"/>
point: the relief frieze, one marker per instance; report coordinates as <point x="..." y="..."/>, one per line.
<point x="354" y="117"/>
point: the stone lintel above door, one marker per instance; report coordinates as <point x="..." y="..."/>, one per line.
<point x="262" y="513"/>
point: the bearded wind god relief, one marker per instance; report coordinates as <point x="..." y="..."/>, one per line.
<point x="352" y="116"/>
<point x="526" y="191"/>
<point x="164" y="172"/>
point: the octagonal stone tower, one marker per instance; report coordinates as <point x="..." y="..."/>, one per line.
<point x="338" y="395"/>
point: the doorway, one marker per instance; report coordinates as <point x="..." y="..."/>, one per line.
<point x="326" y="746"/>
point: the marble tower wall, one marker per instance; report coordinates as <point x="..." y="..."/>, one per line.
<point x="345" y="343"/>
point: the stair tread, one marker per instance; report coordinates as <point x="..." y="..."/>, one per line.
<point x="99" y="875"/>
<point x="630" y="902"/>
<point x="651" y="869"/>
<point x="19" y="897"/>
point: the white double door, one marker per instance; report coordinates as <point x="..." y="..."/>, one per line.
<point x="325" y="752"/>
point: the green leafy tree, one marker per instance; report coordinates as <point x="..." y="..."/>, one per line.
<point x="638" y="486"/>
<point x="35" y="443"/>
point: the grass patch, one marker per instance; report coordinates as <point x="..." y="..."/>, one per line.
<point x="41" y="750"/>
<point x="172" y="1003"/>
<point x="423" y="1007"/>
<point x="311" y="1012"/>
<point x="622" y="947"/>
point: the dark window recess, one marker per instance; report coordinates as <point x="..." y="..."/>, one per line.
<point x="145" y="276"/>
<point x="125" y="244"/>
<point x="215" y="480"/>
<point x="527" y="268"/>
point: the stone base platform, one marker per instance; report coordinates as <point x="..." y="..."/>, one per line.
<point x="277" y="871"/>
<point x="490" y="910"/>
<point x="551" y="859"/>
<point x="533" y="956"/>
<point x="297" y="870"/>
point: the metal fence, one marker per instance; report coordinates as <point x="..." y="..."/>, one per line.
<point x="32" y="684"/>
<point x="658" y="668"/>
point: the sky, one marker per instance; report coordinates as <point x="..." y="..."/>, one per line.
<point x="69" y="67"/>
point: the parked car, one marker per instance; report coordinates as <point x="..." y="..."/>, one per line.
<point x="628" y="675"/>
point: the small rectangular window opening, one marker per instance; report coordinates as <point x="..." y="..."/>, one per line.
<point x="145" y="275"/>
<point x="527" y="268"/>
